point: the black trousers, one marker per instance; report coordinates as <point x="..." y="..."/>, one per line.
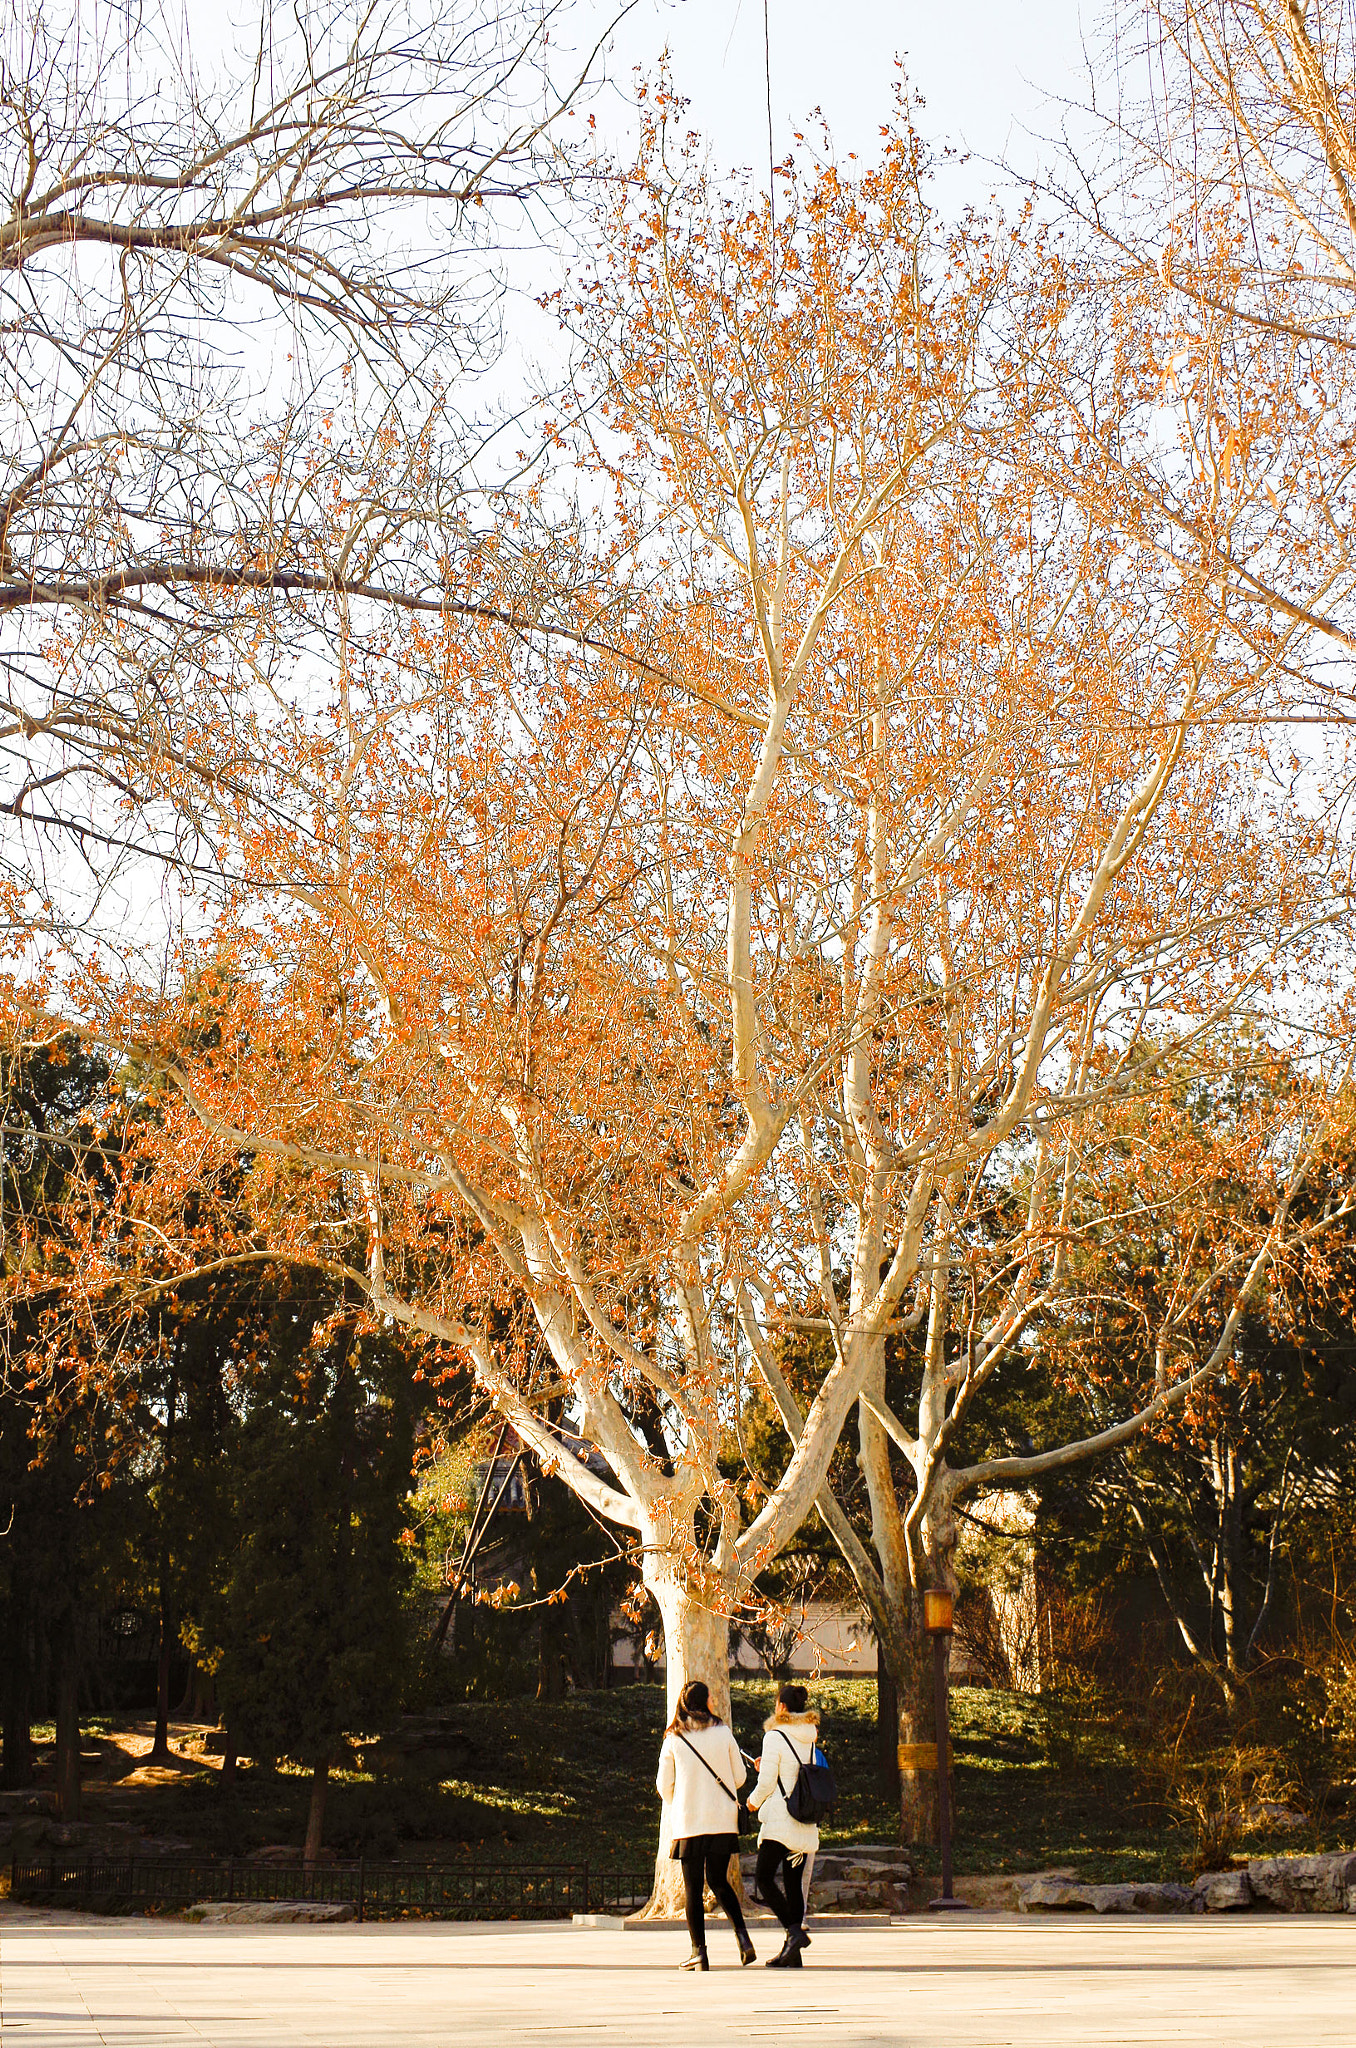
<point x="787" y="1898"/>
<point x="708" y="1857"/>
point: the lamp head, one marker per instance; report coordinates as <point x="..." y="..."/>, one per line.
<point x="937" y="1610"/>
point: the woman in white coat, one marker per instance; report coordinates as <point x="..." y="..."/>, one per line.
<point x="701" y="1771"/>
<point x="783" y="1843"/>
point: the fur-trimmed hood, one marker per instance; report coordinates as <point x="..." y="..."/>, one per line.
<point x="809" y="1719"/>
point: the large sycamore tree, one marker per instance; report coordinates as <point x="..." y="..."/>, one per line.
<point x="692" y="971"/>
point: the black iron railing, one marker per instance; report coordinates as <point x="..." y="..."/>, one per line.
<point x="448" y="1891"/>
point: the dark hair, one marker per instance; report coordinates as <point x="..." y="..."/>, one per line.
<point x="694" y="1707"/>
<point x="793" y="1697"/>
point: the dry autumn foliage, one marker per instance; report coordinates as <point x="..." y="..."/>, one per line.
<point x="1225" y="194"/>
<point x="1176" y="1200"/>
<point x="697" y="971"/>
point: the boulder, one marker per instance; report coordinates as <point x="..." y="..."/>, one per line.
<point x="1305" y="1884"/>
<point x="1053" y="1895"/>
<point x="38" y="1835"/>
<point x="1270" y="1814"/>
<point x="1222" y="1891"/>
<point x="25" y="1800"/>
<point x="988" y="1894"/>
<point x="1141" y="1898"/>
<point x="870" y="1879"/>
<point x="218" y="1912"/>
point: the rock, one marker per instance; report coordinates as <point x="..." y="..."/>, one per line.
<point x="1270" y="1813"/>
<point x="1223" y="1891"/>
<point x="1305" y="1884"/>
<point x="988" y="1894"/>
<point x="37" y="1835"/>
<point x="1141" y="1898"/>
<point x="867" y="1880"/>
<point x="1053" y="1895"/>
<point x="1023" y="1880"/>
<point x="215" y="1912"/>
<point x="26" y="1801"/>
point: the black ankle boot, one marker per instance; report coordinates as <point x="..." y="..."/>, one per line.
<point x="747" y="1953"/>
<point x="696" y="1961"/>
<point x="782" y="1960"/>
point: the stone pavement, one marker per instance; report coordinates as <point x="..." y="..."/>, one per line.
<point x="973" y="1981"/>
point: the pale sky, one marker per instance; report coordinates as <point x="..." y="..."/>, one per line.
<point x="988" y="69"/>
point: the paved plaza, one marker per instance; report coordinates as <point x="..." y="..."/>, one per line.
<point x="976" y="1982"/>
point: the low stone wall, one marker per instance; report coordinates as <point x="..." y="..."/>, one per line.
<point x="1287" y="1884"/>
<point x="29" y="1828"/>
<point x="871" y="1879"/>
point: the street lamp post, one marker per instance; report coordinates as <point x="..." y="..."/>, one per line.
<point x="938" y="1620"/>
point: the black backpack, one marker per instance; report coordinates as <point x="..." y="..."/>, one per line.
<point x="814" y="1791"/>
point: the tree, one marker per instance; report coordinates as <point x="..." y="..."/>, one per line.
<point x="875" y="854"/>
<point x="312" y="1618"/>
<point x="66" y="1497"/>
<point x="1213" y="1495"/>
<point x="188" y="1375"/>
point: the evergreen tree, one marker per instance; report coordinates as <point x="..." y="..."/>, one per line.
<point x="313" y="1618"/>
<point x="66" y="1492"/>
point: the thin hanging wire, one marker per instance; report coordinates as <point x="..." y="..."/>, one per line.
<point x="767" y="74"/>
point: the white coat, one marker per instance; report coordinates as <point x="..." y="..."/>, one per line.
<point x="696" y="1804"/>
<point x="776" y="1775"/>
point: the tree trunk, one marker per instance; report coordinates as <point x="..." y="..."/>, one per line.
<point x="550" y="1657"/>
<point x="160" y="1749"/>
<point x="203" y="1705"/>
<point x="887" y="1727"/>
<point x="68" y="1720"/>
<point x="905" y="1665"/>
<point x="315" y="1819"/>
<point x="918" y="1808"/>
<point x="696" y="1645"/>
<point x="17" y="1768"/>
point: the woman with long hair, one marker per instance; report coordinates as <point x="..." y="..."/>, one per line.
<point x="783" y="1843"/>
<point x="700" y="1772"/>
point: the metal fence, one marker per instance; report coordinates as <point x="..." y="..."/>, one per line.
<point x="449" y="1891"/>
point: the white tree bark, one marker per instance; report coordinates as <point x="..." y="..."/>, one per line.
<point x="696" y="1645"/>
